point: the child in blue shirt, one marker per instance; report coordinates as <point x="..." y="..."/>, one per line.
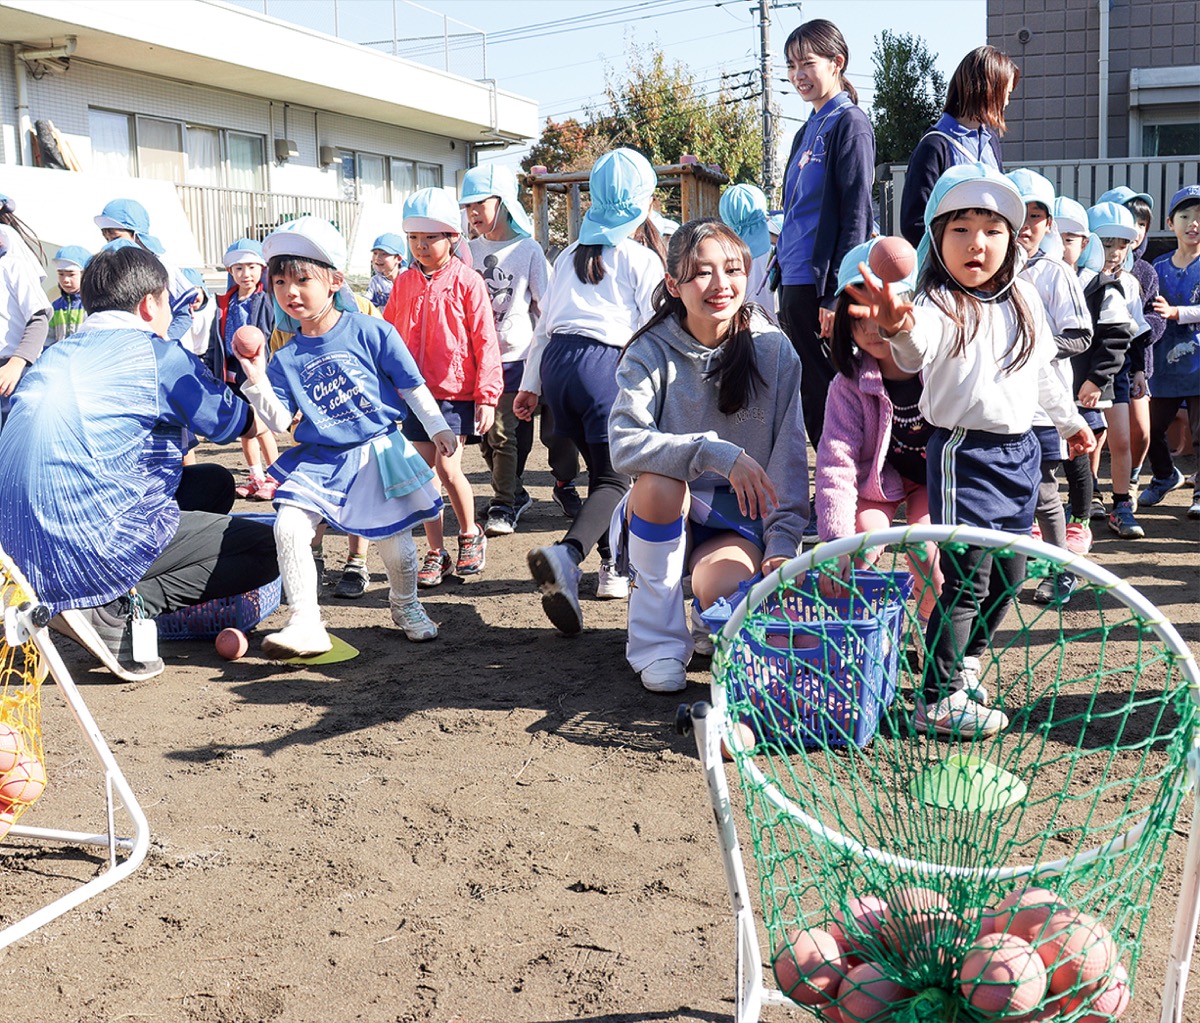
<point x="387" y="259"/>
<point x="67" y="312"/>
<point x="1175" y="360"/>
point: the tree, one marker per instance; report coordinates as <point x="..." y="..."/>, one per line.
<point x="909" y="94"/>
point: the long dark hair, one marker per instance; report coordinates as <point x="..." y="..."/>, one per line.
<point x="980" y="86"/>
<point x="842" y="348"/>
<point x="736" y="372"/>
<point x="823" y="39"/>
<point x="589" y="263"/>
<point x="9" y="218"/>
<point x="963" y="307"/>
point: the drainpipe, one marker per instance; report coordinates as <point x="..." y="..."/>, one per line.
<point x="24" y="122"/>
<point x="1102" y="134"/>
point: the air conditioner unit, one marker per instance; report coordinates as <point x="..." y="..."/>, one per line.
<point x="285" y="149"/>
<point x="328" y="156"/>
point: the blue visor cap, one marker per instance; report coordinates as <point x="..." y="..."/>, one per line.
<point x="391" y="243"/>
<point x="432" y="211"/>
<point x="744" y="208"/>
<point x="71" y="257"/>
<point x="1070" y="216"/>
<point x="1111" y="220"/>
<point x="848" y="272"/>
<point x="307" y="238"/>
<point x="490" y="179"/>
<point x="1123" y="193"/>
<point x="1033" y="187"/>
<point x="971" y="186"/>
<point x="622" y="186"/>
<point x="1188" y="192"/>
<point x="125" y="215"/>
<point x="244" y="250"/>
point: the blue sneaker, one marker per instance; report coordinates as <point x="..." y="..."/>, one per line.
<point x="1158" y="488"/>
<point x="1122" y="522"/>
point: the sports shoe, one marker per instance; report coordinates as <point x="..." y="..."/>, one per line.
<point x="567" y="498"/>
<point x="666" y="675"/>
<point x="1122" y="522"/>
<point x="1079" y="537"/>
<point x="413" y="621"/>
<point x="266" y="490"/>
<point x="1099" y="511"/>
<point x="611" y="586"/>
<point x="319" y="561"/>
<point x="297" y="639"/>
<point x="434" y="568"/>
<point x="104" y="633"/>
<point x="250" y="487"/>
<point x="1158" y="488"/>
<point x="472" y="553"/>
<point x="1056" y="588"/>
<point x="960" y="716"/>
<point x="702" y="639"/>
<point x="1135" y="474"/>
<point x="524" y="503"/>
<point x="353" y="583"/>
<point x="1194" y="511"/>
<point x="557" y="577"/>
<point x="966" y="680"/>
<point x="500" y="520"/>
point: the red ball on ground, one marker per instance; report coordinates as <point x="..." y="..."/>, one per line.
<point x="232" y="644"/>
<point x="248" y="341"/>
<point x="892" y="259"/>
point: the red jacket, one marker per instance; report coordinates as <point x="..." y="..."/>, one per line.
<point x="446" y="321"/>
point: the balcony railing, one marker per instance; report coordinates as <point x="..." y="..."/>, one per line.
<point x="1083" y="180"/>
<point x="219" y="216"/>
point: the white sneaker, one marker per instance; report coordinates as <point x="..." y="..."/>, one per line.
<point x="960" y="716"/>
<point x="297" y="639"/>
<point x="702" y="639"/>
<point x="611" y="586"/>
<point x="666" y="675"/>
<point x="966" y="680"/>
<point x="557" y="576"/>
<point x="414" y="622"/>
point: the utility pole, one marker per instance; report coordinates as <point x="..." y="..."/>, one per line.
<point x="768" y="115"/>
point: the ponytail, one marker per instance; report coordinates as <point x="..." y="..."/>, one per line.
<point x="589" y="264"/>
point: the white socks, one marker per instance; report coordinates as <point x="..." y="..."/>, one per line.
<point x="399" y="554"/>
<point x="295" y="529"/>
<point x="658" y="626"/>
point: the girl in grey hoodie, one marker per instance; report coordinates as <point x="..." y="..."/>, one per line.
<point x="709" y="421"/>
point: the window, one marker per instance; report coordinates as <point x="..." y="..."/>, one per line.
<point x="246" y="164"/>
<point x="112" y="142"/>
<point x="404" y="179"/>
<point x="203" y="156"/>
<point x="160" y="149"/>
<point x="429" y="175"/>
<point x="372" y="184"/>
<point x="1171" y="139"/>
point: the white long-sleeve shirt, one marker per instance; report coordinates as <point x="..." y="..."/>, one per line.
<point x="609" y="311"/>
<point x="977" y="390"/>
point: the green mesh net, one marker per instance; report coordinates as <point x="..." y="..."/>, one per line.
<point x="914" y="862"/>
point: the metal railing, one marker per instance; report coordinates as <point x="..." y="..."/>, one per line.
<point x="1083" y="180"/>
<point x="218" y="216"/>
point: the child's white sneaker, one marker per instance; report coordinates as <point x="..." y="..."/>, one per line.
<point x="966" y="680"/>
<point x="557" y="576"/>
<point x="666" y="675"/>
<point x="414" y="622"/>
<point x="297" y="639"/>
<point x="958" y="716"/>
<point x="611" y="586"/>
<point x="702" y="639"/>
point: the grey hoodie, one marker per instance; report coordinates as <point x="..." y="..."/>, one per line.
<point x="665" y="420"/>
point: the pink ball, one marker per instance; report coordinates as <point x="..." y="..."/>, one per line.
<point x="861" y="915"/>
<point x="1077" y="950"/>
<point x="1002" y="975"/>
<point x="808" y="966"/>
<point x="1015" y="902"/>
<point x="892" y="259"/>
<point x="231" y="644"/>
<point x="745" y="735"/>
<point x="11" y="748"/>
<point x="24" y="783"/>
<point x="867" y="995"/>
<point x="907" y="910"/>
<point x="1109" y="1004"/>
<point x="248" y="341"/>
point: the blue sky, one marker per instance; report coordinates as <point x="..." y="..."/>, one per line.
<point x="564" y="70"/>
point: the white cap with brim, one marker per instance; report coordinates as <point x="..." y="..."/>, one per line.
<point x="432" y="211"/>
<point x="1070" y="216"/>
<point x="622" y="186"/>
<point x="971" y="186"/>
<point x="494" y="179"/>
<point x="307" y="238"/>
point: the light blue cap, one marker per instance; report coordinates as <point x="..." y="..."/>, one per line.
<point x="308" y="238"/>
<point x="849" y="273"/>
<point x="119" y="243"/>
<point x="71" y="257"/>
<point x="622" y="186"/>
<point x="775" y="223"/>
<point x="1111" y="220"/>
<point x="193" y="276"/>
<point x="1033" y="187"/>
<point x="244" y="250"/>
<point x="1092" y="256"/>
<point x="969" y="186"/>
<point x="391" y="243"/>
<point x="1123" y="193"/>
<point x="490" y="179"/>
<point x="431" y="211"/>
<point x="744" y="208"/>
<point x="1070" y="216"/>
<point x="125" y="215"/>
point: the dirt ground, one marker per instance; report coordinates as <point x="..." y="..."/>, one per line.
<point x="498" y="826"/>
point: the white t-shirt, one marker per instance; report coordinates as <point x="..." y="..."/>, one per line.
<point x="21" y="297"/>
<point x="517" y="274"/>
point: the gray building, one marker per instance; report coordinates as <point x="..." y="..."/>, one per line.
<point x="1100" y="79"/>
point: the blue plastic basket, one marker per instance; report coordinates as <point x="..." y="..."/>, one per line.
<point x="204" y="621"/>
<point x="818" y="671"/>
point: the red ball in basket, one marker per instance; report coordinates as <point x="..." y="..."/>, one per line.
<point x="892" y="259"/>
<point x="248" y="341"/>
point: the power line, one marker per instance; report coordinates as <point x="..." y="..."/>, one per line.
<point x="529" y="32"/>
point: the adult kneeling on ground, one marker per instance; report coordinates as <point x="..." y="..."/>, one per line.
<point x="90" y="463"/>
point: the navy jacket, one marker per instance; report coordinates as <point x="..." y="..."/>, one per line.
<point x="933" y="156"/>
<point x="262" y="316"/>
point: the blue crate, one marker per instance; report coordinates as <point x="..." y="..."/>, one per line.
<point x="204" y="621"/>
<point x="817" y="671"/>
